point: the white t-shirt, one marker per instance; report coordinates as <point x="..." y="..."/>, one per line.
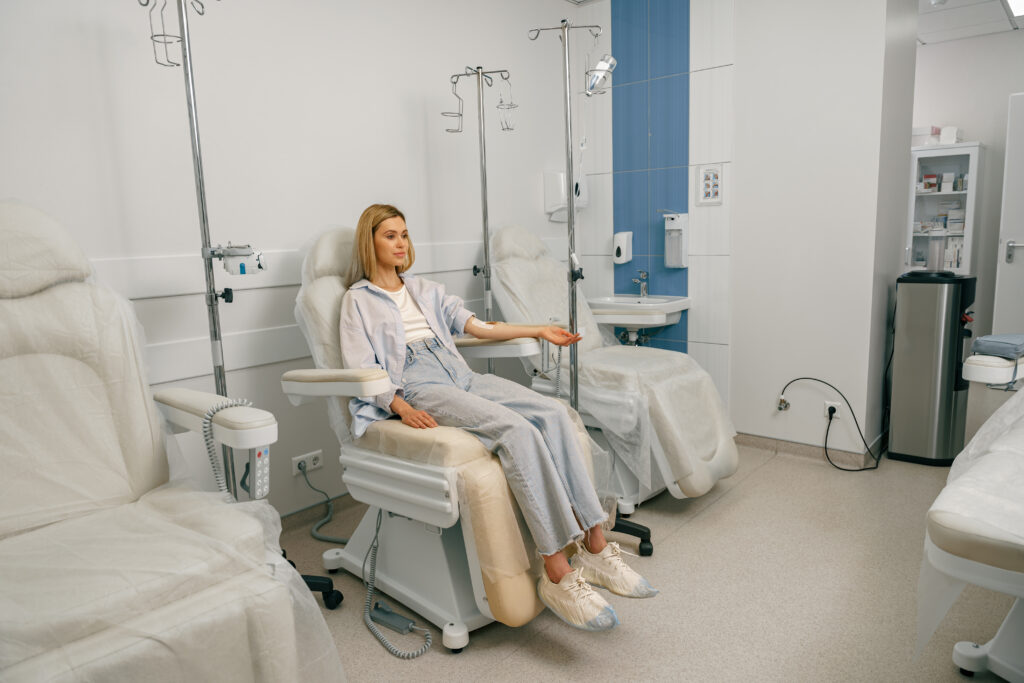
<point x="416" y="326"/>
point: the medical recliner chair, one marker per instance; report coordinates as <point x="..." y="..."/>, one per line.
<point x="107" y="571"/>
<point x="659" y="411"/>
<point x="452" y="543"/>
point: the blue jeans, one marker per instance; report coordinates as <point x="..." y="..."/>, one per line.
<point x="533" y="436"/>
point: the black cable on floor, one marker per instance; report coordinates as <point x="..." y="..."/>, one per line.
<point x="848" y="469"/>
<point x="877" y="459"/>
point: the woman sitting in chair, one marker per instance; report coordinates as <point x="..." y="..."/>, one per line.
<point x="404" y="324"/>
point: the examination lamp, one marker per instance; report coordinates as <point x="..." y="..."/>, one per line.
<point x="597" y="75"/>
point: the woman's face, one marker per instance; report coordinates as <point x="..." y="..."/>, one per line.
<point x="391" y="242"/>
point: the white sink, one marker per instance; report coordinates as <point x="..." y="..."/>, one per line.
<point x="639" y="304"/>
<point x="636" y="313"/>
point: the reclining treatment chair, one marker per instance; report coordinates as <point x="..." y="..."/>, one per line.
<point x="658" y="410"/>
<point x="975" y="534"/>
<point x="453" y="544"/>
<point x="107" y="572"/>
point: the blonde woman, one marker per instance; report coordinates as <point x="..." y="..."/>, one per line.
<point x="404" y="324"/>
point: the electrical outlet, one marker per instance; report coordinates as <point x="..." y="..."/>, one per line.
<point x="832" y="404"/>
<point x="314" y="461"/>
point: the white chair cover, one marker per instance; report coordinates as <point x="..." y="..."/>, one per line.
<point x="107" y="571"/>
<point x="644" y="398"/>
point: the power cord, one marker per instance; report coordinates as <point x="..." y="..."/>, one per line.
<point x="370" y="584"/>
<point x="371" y="555"/>
<point x="330" y="511"/>
<point x="784" y="404"/>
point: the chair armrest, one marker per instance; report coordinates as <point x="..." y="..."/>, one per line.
<point x="301" y="386"/>
<point x="471" y="347"/>
<point x="237" y="427"/>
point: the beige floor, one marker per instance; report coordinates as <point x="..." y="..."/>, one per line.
<point x="788" y="570"/>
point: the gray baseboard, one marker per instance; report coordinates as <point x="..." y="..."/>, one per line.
<point x="839" y="457"/>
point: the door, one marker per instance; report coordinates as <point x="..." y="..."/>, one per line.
<point x="1008" y="315"/>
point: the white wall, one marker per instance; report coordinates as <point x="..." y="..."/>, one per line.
<point x="967" y="83"/>
<point x="893" y="190"/>
<point x="308" y="111"/>
<point x="711" y="142"/>
<point x="811" y="123"/>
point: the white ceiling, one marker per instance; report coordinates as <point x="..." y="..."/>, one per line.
<point x="957" y="19"/>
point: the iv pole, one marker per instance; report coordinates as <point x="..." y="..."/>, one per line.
<point x="232" y="255"/>
<point x="213" y="313"/>
<point x="482" y="77"/>
<point x="575" y="271"/>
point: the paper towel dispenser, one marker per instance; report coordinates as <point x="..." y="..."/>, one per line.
<point x="555" y="204"/>
<point x="622" y="247"/>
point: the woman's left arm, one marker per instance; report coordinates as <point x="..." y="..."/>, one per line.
<point x="500" y="331"/>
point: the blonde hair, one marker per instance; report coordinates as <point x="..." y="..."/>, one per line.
<point x="364" y="254"/>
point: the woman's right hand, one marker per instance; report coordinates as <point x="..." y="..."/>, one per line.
<point x="420" y="419"/>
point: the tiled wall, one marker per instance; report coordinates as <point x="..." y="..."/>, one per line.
<point x="650" y="124"/>
<point x="673" y="112"/>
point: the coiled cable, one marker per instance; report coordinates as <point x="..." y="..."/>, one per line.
<point x="371" y="554"/>
<point x="315" y="533"/>
<point x="211" y="446"/>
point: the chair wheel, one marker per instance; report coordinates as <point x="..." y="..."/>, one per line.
<point x="646" y="548"/>
<point x="967" y="673"/>
<point x="333" y="571"/>
<point x="455" y="650"/>
<point x="333" y="599"/>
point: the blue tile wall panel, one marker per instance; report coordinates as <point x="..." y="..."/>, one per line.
<point x="630" y="127"/>
<point x="669" y="27"/>
<point x="670" y="121"/>
<point x="631" y="208"/>
<point x="625" y="272"/>
<point x="629" y="40"/>
<point x="666" y="280"/>
<point x="671" y="345"/>
<point x="650" y="127"/>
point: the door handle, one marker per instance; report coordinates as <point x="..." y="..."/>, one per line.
<point x="1010" y="246"/>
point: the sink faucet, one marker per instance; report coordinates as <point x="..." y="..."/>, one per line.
<point x="642" y="281"/>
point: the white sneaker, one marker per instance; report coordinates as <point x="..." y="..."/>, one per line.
<point x="576" y="603"/>
<point x="608" y="570"/>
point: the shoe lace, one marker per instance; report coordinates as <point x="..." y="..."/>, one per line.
<point x="579" y="588"/>
<point x="616" y="555"/>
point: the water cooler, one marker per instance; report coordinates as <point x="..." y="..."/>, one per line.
<point x="929" y="394"/>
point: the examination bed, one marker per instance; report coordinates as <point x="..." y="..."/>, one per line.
<point x="107" y="571"/>
<point x="658" y="410"/>
<point x="453" y="544"/>
<point x="975" y="534"/>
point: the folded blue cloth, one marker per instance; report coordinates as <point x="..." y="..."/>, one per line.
<point x="1003" y="345"/>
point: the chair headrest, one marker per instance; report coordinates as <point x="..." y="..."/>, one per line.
<point x="36" y="252"/>
<point x="330" y="255"/>
<point x="515" y="242"/>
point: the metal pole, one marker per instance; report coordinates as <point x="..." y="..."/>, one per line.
<point x="216" y="348"/>
<point x="570" y="196"/>
<point x="483" y="200"/>
<point x="213" y="314"/>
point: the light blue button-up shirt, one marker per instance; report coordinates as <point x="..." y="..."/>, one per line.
<point x="373" y="336"/>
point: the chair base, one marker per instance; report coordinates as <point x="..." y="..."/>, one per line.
<point x="319" y="584"/>
<point x="1002" y="655"/>
<point x="633" y="529"/>
<point x="422" y="566"/>
<point x="325" y="587"/>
